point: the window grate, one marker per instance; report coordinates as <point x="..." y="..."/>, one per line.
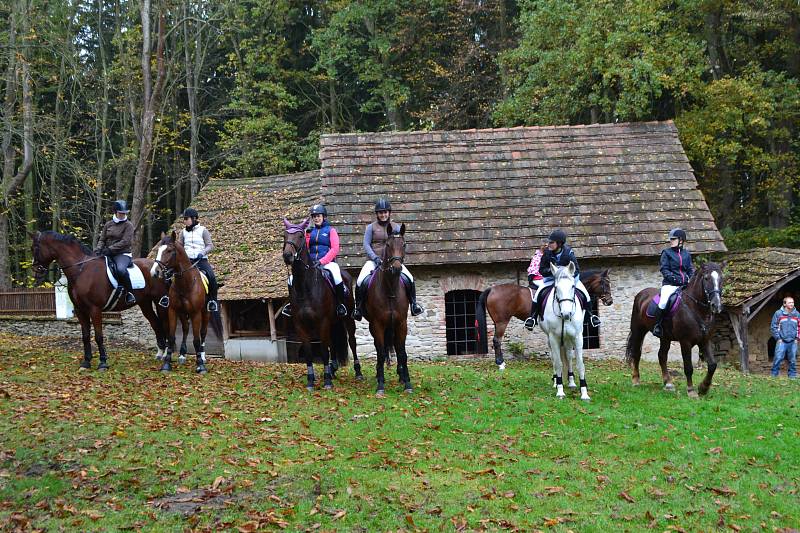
<point x="460" y="319"/>
<point x="591" y="334"/>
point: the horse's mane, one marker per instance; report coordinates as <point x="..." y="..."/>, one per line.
<point x="67" y="239"/>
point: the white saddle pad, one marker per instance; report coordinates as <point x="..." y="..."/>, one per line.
<point x="137" y="278"/>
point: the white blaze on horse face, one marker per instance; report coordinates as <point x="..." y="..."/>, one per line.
<point x="715" y="277"/>
<point x="157" y="266"/>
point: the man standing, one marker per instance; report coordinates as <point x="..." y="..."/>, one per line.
<point x="785" y="328"/>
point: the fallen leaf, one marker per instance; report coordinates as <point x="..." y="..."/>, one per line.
<point x="625" y="496"/>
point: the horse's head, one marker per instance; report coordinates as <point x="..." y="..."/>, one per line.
<point x="605" y="288"/>
<point x="42" y="255"/>
<point x="166" y="257"/>
<point x="294" y="240"/>
<point x="394" y="254"/>
<point x="564" y="289"/>
<point x="711" y="279"/>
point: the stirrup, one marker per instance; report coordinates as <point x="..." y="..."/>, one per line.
<point x="341" y="310"/>
<point x="287" y="311"/>
<point x="130" y="299"/>
<point x="164" y="301"/>
<point x="530" y="323"/>
<point x="416" y="309"/>
<point x="357" y="315"/>
<point x="212" y="306"/>
<point x="595" y="321"/>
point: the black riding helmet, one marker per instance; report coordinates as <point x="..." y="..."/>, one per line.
<point x="677" y="233"/>
<point x="558" y="236"/>
<point x="190" y="212"/>
<point x="383" y="205"/>
<point x="319" y="209"/>
<point x="121" y="206"/>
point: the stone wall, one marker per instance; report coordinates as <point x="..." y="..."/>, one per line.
<point x="132" y="327"/>
<point x="427" y="333"/>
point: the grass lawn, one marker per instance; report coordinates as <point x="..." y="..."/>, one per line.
<point x="246" y="447"/>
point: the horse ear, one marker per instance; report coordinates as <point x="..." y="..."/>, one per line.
<point x="571" y="268"/>
<point x="304" y="225"/>
<point x="286" y="223"/>
<point x="606" y="271"/>
<point x="403" y="228"/>
<point x="553" y="268"/>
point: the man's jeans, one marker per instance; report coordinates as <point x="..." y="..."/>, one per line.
<point x="788" y="351"/>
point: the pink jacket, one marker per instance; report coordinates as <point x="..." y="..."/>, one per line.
<point x="533" y="268"/>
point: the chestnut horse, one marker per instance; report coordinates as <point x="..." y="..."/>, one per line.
<point x="314" y="309"/>
<point x="187" y="301"/>
<point x="690" y="326"/>
<point x="90" y="290"/>
<point x="511" y="300"/>
<point x="386" y="310"/>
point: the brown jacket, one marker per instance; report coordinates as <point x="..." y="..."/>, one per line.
<point x="117" y="237"/>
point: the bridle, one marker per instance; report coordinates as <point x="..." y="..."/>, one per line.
<point x="386" y="264"/>
<point x="557" y="301"/>
<point x="297" y="249"/>
<point x="42" y="270"/>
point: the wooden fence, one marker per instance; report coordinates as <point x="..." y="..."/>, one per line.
<point x="28" y="302"/>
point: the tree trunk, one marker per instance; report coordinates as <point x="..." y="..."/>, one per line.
<point x="191" y="94"/>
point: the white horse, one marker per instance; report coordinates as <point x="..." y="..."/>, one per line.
<point x="563" y="325"/>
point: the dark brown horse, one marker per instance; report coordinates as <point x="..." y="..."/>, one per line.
<point x="511" y="300"/>
<point x="314" y="309"/>
<point x="187" y="301"/>
<point x="90" y="290"/>
<point x="690" y="326"/>
<point x="386" y="309"/>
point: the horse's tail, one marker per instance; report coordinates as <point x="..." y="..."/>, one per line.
<point x="629" y="348"/>
<point x="216" y="323"/>
<point x="480" y="322"/>
<point x="339" y="344"/>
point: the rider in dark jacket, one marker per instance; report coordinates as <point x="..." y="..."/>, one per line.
<point x="676" y="270"/>
<point x="116" y="239"/>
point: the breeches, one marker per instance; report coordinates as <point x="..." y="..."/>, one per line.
<point x="369" y="266"/>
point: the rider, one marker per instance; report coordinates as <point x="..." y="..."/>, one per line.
<point x="196" y="240"/>
<point x="535" y="278"/>
<point x="375" y="237"/>
<point x="115" y="242"/>
<point x="677" y="269"/>
<point x="323" y="247"/>
<point x="560" y="254"/>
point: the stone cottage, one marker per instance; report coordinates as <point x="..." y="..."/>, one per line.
<point x="476" y="204"/>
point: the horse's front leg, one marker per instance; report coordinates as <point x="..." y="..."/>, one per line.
<point x="351" y="339"/>
<point x="86" y="336"/>
<point x="579" y="365"/>
<point x="711" y="361"/>
<point x="663" y="356"/>
<point x="558" y="370"/>
<point x="185" y="330"/>
<point x="566" y="361"/>
<point x="97" y="322"/>
<point x="402" y="362"/>
<point x="198" y="339"/>
<point x="688" y="369"/>
<point x="172" y="321"/>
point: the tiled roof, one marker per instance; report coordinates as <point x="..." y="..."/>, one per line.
<point x="750" y="272"/>
<point x="244" y="219"/>
<point x="483" y="196"/>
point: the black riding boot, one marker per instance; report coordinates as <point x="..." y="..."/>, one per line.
<point x="531" y="321"/>
<point x="416" y="309"/>
<point x="130" y="299"/>
<point x="358" y="312"/>
<point x="658" y="330"/>
<point x="341" y="309"/>
<point x="213" y="288"/>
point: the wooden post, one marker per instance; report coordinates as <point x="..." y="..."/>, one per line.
<point x="739" y="323"/>
<point x="271" y="311"/>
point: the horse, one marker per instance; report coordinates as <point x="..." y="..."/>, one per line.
<point x="314" y="309"/>
<point x="563" y="325"/>
<point x="90" y="290"/>
<point x="690" y="326"/>
<point x="187" y="301"/>
<point x="511" y="300"/>
<point x="386" y="310"/>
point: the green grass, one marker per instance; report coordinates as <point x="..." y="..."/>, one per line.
<point x="470" y="449"/>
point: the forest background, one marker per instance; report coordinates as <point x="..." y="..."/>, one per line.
<point x="146" y="100"/>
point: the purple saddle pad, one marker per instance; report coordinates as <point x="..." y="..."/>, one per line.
<point x="676" y="302"/>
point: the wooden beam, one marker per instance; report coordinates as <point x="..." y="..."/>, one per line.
<point x="225" y="316"/>
<point x="271" y="311"/>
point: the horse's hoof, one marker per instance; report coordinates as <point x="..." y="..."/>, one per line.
<point x="83" y="368"/>
<point x="166" y="368"/>
<point x="359" y="377"/>
<point x="201" y="370"/>
<point x="669" y="387"/>
<point x="328" y="387"/>
<point x="703" y="390"/>
<point x="585" y="398"/>
<point x="501" y="366"/>
<point x="181" y="359"/>
<point x="635" y="383"/>
<point x="102" y="368"/>
<point x="572" y="385"/>
<point x="560" y="396"/>
<point x="692" y="394"/>
<point x="380" y="394"/>
<point x="409" y="390"/>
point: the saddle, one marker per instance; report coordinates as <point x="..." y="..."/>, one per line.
<point x="546" y="292"/>
<point x="369" y="280"/>
<point x="137" y="278"/>
<point x="673" y="304"/>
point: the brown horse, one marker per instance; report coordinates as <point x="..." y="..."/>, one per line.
<point x="511" y="300"/>
<point x="90" y="290"/>
<point x="690" y="326"/>
<point x="187" y="301"/>
<point x="386" y="309"/>
<point x="314" y="309"/>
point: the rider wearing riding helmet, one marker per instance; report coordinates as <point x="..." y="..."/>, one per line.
<point x="323" y="246"/>
<point x="560" y="254"/>
<point x="116" y="239"/>
<point x="375" y="236"/>
<point x="196" y="240"/>
<point x="676" y="269"/>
